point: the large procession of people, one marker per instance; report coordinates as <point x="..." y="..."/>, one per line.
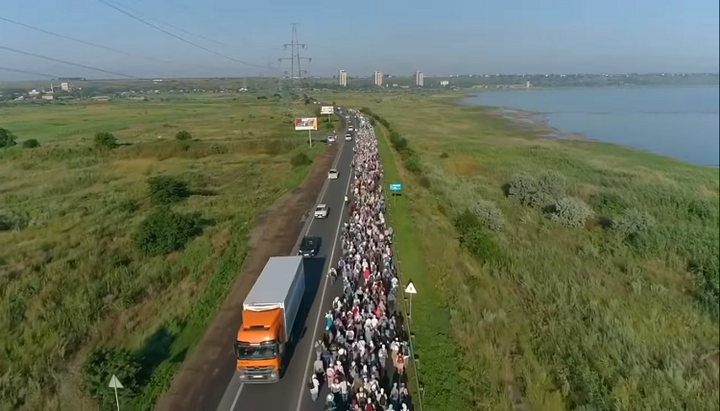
<point x="360" y="361"/>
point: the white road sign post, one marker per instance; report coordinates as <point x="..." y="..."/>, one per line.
<point x="115" y="383"/>
<point x="410" y="290"/>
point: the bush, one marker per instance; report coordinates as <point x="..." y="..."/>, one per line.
<point x="489" y="215"/>
<point x="300" y="159"/>
<point x="632" y="223"/>
<point x="100" y="365"/>
<point x="32" y="143"/>
<point x="570" y="212"/>
<point x="167" y="190"/>
<point x="105" y="141"/>
<point x="183" y="135"/>
<point x="165" y="231"/>
<point x="540" y="192"/>
<point x="444" y="155"/>
<point x="7" y="139"/>
<point x="474" y="237"/>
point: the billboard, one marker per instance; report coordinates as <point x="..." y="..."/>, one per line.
<point x="327" y="110"/>
<point x="306" y="123"/>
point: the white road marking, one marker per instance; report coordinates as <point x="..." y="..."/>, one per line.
<point x="312" y="220"/>
<point x="322" y="300"/>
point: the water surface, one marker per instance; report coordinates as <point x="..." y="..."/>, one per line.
<point x="680" y="122"/>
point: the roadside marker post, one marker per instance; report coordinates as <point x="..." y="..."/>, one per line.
<point x="115" y="384"/>
<point x="395" y="190"/>
<point x="410" y="290"/>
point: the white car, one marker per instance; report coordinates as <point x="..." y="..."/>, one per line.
<point x="333" y="174"/>
<point x="322" y="211"/>
<point x="350" y="128"/>
<point x="348" y="137"/>
<point x="331" y="139"/>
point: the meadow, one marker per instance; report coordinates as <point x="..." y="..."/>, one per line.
<point x="102" y="260"/>
<point x="551" y="275"/>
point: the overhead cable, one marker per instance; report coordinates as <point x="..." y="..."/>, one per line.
<point x="28" y="72"/>
<point x="141" y="20"/>
<point x="79" y="40"/>
<point x="27" y="53"/>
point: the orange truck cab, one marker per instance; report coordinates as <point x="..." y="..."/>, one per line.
<point x="268" y="318"/>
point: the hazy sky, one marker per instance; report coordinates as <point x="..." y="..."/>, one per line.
<point x="392" y="36"/>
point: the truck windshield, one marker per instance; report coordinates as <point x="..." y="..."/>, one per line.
<point x="264" y="351"/>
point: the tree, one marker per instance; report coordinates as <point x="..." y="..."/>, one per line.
<point x="105" y="141"/>
<point x="183" y="135"/>
<point x="7" y="139"/>
<point x="32" y="143"/>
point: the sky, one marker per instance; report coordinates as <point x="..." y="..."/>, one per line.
<point x="394" y="37"/>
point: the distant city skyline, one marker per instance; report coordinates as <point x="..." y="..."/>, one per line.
<point x="559" y="36"/>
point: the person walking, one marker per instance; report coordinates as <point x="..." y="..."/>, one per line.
<point x="314" y="388"/>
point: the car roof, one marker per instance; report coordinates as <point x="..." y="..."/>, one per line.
<point x="322" y="205"/>
<point x="333" y="170"/>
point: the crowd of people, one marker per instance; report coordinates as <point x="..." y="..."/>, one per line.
<point x="360" y="361"/>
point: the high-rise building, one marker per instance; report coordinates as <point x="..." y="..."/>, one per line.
<point x="342" y="78"/>
<point x="378" y="79"/>
<point x="419" y="78"/>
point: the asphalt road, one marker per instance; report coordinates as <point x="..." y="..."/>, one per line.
<point x="291" y="392"/>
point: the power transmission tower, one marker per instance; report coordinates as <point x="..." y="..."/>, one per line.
<point x="296" y="72"/>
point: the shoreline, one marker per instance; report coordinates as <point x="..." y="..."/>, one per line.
<point x="534" y="121"/>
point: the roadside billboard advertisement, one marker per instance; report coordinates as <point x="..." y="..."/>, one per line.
<point x="306" y="123"/>
<point x="327" y="110"/>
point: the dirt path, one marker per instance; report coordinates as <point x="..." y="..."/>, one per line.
<point x="203" y="376"/>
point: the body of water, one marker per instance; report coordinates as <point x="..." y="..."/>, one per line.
<point x="680" y="122"/>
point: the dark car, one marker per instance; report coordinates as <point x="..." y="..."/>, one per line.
<point x="309" y="246"/>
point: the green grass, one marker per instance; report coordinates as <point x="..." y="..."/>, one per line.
<point x="558" y="318"/>
<point x="70" y="278"/>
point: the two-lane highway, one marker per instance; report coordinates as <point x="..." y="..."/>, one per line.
<point x="290" y="393"/>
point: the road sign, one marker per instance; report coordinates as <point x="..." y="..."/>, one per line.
<point x="410" y="289"/>
<point x="115" y="384"/>
<point x="395" y="187"/>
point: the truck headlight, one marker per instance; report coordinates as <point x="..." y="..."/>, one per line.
<point x="273" y="374"/>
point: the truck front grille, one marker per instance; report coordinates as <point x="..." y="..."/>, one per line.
<point x="258" y="373"/>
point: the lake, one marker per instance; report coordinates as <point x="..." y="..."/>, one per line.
<point x="680" y="122"/>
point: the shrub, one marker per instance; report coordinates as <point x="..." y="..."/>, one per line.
<point x="632" y="223"/>
<point x="7" y="138"/>
<point x="539" y="192"/>
<point x="489" y="215"/>
<point x="167" y="190"/>
<point x="444" y="155"/>
<point x="100" y="365"/>
<point x="32" y="143"/>
<point x="13" y="221"/>
<point x="105" y="141"/>
<point x="165" y="231"/>
<point x="300" y="159"/>
<point x="474" y="237"/>
<point x="183" y="135"/>
<point x="570" y="212"/>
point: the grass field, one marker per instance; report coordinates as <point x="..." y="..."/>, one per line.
<point x="71" y="276"/>
<point x="531" y="305"/>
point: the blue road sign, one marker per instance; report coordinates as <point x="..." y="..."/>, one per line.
<point x="395" y="187"/>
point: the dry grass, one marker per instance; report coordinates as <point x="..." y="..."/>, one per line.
<point x="69" y="276"/>
<point x="585" y="320"/>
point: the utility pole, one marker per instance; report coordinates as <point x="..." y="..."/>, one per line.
<point x="296" y="72"/>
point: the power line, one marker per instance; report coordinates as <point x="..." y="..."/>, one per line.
<point x="28" y="72"/>
<point x="141" y="20"/>
<point x="62" y="36"/>
<point x="173" y="27"/>
<point x="27" y="53"/>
